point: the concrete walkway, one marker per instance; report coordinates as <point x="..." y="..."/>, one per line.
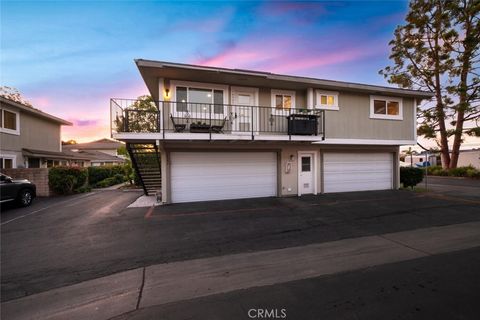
<point x="114" y="295"/>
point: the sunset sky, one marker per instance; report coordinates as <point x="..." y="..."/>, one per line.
<point x="69" y="58"/>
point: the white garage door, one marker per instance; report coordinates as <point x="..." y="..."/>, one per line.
<point x="357" y="171"/>
<point x="200" y="176"/>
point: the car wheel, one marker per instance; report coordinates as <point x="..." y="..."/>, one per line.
<point x="25" y="198"/>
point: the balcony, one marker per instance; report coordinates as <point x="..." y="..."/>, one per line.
<point x="170" y="120"/>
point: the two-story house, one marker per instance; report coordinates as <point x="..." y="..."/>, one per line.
<point x="216" y="133"/>
<point x="31" y="138"/>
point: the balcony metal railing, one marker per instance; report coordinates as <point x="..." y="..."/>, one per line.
<point x="130" y="115"/>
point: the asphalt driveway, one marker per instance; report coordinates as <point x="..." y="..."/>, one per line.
<point x="59" y="243"/>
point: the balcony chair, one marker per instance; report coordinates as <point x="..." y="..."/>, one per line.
<point x="178" y="127"/>
<point x="219" y="129"/>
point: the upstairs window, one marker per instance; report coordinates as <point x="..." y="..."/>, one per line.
<point x="9" y="121"/>
<point x="386" y="108"/>
<point x="327" y="100"/>
<point x="199" y="100"/>
<point x="283" y="101"/>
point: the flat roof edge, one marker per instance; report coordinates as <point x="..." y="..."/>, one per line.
<point x="268" y="75"/>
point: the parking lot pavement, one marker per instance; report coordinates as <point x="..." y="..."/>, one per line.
<point x="435" y="287"/>
<point x="97" y="235"/>
<point x="462" y="188"/>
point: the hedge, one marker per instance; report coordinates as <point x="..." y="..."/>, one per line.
<point x="410" y="176"/>
<point x="97" y="174"/>
<point x="469" y="172"/>
<point x="110" y="181"/>
<point x="67" y="180"/>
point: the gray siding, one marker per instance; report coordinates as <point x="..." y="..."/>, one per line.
<point x="353" y="121"/>
<point x="35" y="133"/>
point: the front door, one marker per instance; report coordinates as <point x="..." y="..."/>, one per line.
<point x="306" y="178"/>
<point x="244" y="110"/>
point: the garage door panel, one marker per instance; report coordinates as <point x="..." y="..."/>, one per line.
<point x="357" y="172"/>
<point x="200" y="176"/>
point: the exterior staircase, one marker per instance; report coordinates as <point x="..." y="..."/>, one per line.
<point x="146" y="163"/>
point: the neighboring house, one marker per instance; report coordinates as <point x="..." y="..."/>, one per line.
<point x="217" y="133"/>
<point x="420" y="160"/>
<point x="31" y="138"/>
<point x="469" y="158"/>
<point x="100" y="152"/>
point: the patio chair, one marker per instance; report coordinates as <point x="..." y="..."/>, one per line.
<point x="219" y="128"/>
<point x="178" y="127"/>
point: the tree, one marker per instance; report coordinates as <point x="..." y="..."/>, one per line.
<point x="466" y="17"/>
<point x="429" y="53"/>
<point x="140" y="116"/>
<point x="13" y="95"/>
<point x="69" y="142"/>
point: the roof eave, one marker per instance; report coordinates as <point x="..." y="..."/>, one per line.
<point x="374" y="89"/>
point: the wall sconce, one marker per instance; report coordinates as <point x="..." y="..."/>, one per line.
<point x="167" y="94"/>
<point x="292" y="157"/>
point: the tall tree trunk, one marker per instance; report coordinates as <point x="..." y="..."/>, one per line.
<point x="438" y="95"/>
<point x="463" y="84"/>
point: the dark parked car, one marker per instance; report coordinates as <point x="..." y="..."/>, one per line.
<point x="21" y="191"/>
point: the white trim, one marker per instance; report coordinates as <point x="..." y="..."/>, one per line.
<point x="255" y="123"/>
<point x="319" y="105"/>
<point x="137" y="136"/>
<point x="415" y="119"/>
<point x="314" y="169"/>
<point x="275" y="92"/>
<point x="17" y="119"/>
<point x="310" y="103"/>
<point x="373" y="115"/>
<point x="367" y="142"/>
<point x="200" y="85"/>
<point x="7" y="155"/>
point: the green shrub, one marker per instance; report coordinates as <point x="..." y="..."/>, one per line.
<point x="437" y="171"/>
<point x="410" y="177"/>
<point x="473" y="173"/>
<point x="459" y="172"/>
<point x="96" y="174"/>
<point x="83" y="189"/>
<point x="66" y="180"/>
<point x="110" y="181"/>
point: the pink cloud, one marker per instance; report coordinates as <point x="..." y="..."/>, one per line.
<point x="289" y="54"/>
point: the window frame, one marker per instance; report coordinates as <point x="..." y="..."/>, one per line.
<point x="318" y="101"/>
<point x="197" y="85"/>
<point x="17" y="119"/>
<point x="386" y="116"/>
<point x="283" y="111"/>
<point x="12" y="157"/>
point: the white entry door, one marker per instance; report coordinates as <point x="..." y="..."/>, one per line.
<point x="357" y="171"/>
<point x="201" y="176"/>
<point x="244" y="110"/>
<point x="306" y="173"/>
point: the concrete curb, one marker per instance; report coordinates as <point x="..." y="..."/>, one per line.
<point x="124" y="292"/>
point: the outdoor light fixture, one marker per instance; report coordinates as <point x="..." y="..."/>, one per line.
<point x="167" y="92"/>
<point x="292" y="157"/>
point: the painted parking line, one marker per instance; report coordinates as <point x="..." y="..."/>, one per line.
<point x="149" y="212"/>
<point x="47" y="207"/>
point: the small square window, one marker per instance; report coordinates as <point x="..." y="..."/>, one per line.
<point x="8" y="163"/>
<point x="279" y="101"/>
<point x="379" y="107"/>
<point x="306" y="164"/>
<point x="330" y="100"/>
<point x="9" y="120"/>
<point x="392" y="108"/>
<point x="323" y="99"/>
